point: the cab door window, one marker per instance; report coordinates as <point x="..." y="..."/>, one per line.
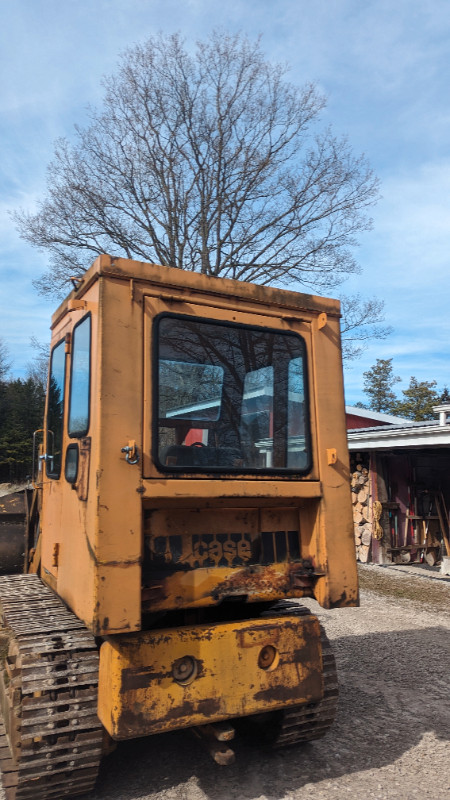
<point x="55" y="411"/>
<point x="80" y="379"/>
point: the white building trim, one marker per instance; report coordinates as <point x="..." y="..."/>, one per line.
<point x="382" y="439"/>
<point x="409" y="435"/>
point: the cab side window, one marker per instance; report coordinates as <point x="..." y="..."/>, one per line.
<point x="55" y="411"/>
<point x="80" y="379"/>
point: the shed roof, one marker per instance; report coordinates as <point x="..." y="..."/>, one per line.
<point x="429" y="433"/>
<point x="378" y="416"/>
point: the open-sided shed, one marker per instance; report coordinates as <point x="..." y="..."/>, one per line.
<point x="401" y="488"/>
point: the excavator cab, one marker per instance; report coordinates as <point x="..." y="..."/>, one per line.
<point x="194" y="488"/>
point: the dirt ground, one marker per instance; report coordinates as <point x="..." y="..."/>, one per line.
<point x="390" y="739"/>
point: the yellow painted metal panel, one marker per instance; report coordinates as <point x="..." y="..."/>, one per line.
<point x="196" y="557"/>
<point x="229" y="491"/>
<point x="227" y="292"/>
<point x="97" y="528"/>
<point x="332" y="541"/>
<point x="139" y="692"/>
<point x="221" y="311"/>
<point x="68" y="516"/>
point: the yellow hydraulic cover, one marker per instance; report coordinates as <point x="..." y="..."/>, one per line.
<point x="167" y="679"/>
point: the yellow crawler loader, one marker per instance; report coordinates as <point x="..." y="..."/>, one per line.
<point x="193" y="487"/>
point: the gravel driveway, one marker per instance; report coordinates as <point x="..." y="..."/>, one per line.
<point x="390" y="740"/>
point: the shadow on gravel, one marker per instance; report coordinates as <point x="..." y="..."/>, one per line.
<point x="393" y="689"/>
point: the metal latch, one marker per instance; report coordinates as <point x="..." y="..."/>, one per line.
<point x="131" y="453"/>
<point x="331" y="456"/>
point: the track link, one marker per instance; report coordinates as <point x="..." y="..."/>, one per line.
<point x="302" y="723"/>
<point x="50" y="735"/>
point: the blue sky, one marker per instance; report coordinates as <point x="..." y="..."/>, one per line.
<point x="385" y="68"/>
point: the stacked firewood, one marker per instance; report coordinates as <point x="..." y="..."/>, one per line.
<point x="361" y="512"/>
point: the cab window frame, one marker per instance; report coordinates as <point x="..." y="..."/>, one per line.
<point x="292" y="473"/>
<point x="80" y="433"/>
<point x="55" y="474"/>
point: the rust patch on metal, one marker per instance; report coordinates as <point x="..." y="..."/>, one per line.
<point x="82" y="484"/>
<point x="133" y="722"/>
<point x="134" y="678"/>
<point x="311" y="691"/>
<point x="265" y="580"/>
<point x="208" y="707"/>
<point x="270" y="581"/>
<point x="154" y="593"/>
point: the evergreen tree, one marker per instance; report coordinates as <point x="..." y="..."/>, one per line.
<point x="445" y="395"/>
<point x="419" y="399"/>
<point x="21" y="413"/>
<point x="378" y="386"/>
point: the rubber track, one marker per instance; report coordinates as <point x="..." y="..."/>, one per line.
<point x="305" y="723"/>
<point x="50" y="683"/>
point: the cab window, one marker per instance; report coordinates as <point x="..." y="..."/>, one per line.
<point x="55" y="411"/>
<point x="229" y="397"/>
<point x="80" y="379"/>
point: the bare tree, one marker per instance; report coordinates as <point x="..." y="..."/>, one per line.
<point x="5" y="362"/>
<point x="360" y="324"/>
<point x="208" y="161"/>
<point x="38" y="368"/>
